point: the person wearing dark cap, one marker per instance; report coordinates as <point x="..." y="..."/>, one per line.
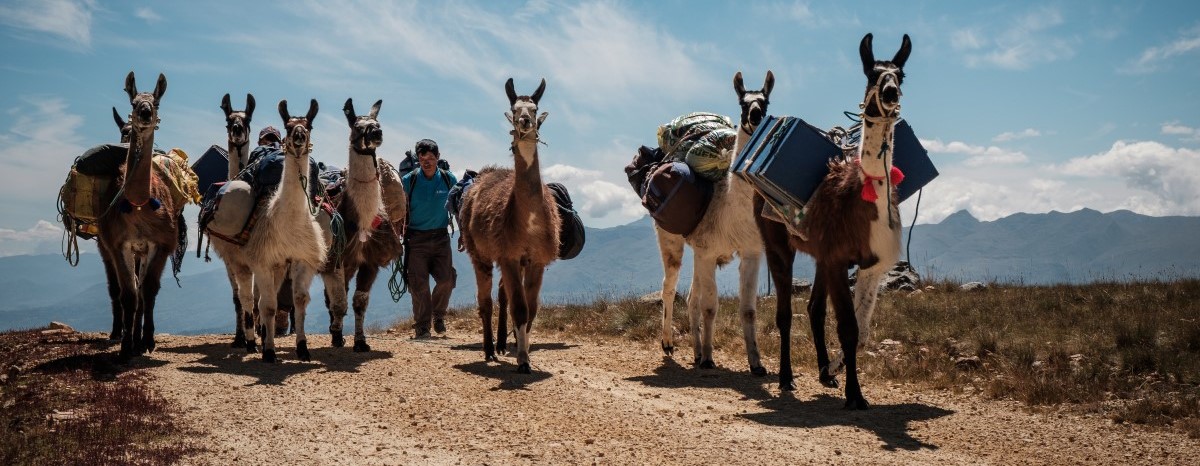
<point x="269" y="136"/>
<point x="427" y="240"/>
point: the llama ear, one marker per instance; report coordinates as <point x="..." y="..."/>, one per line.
<point x="768" y="84"/>
<point x="226" y="106"/>
<point x="375" y="109"/>
<point x="312" y="112"/>
<point x="508" y="116"/>
<point x="512" y="93"/>
<point x="130" y="86"/>
<point x="160" y="88"/>
<point x="902" y="54"/>
<point x="283" y="112"/>
<point x="537" y="95"/>
<point x="249" y="107"/>
<point x="867" y="55"/>
<point x="738" y="86"/>
<point x="542" y="118"/>
<point x="117" y="119"/>
<point x="348" y="109"/>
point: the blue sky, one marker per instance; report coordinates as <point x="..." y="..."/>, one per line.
<point x="1024" y="106"/>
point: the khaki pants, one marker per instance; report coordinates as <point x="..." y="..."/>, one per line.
<point x="429" y="254"/>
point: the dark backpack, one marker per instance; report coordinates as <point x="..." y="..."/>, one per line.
<point x="454" y="200"/>
<point x="265" y="170"/>
<point x="643" y="163"/>
<point x="676" y="197"/>
<point x="571" y="234"/>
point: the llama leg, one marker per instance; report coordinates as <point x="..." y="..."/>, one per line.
<point x="816" y="320"/>
<point x="149" y="290"/>
<point x="483" y="296"/>
<point x="533" y="290"/>
<point x="865" y="293"/>
<point x="671" y="249"/>
<point x="705" y="281"/>
<point x="748" y="304"/>
<point x="126" y="280"/>
<point x="847" y="329"/>
<point x="779" y="263"/>
<point x="502" y="319"/>
<point x="138" y="270"/>
<point x="301" y="279"/>
<point x="114" y="291"/>
<point x="362" y="297"/>
<point x="511" y="272"/>
<point x="335" y="302"/>
<point x="239" y="338"/>
<point x="267" y="281"/>
<point x="245" y="291"/>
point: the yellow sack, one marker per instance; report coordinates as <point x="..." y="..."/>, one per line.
<point x="174" y="170"/>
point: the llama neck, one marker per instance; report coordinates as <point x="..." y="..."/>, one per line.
<point x="137" y="168"/>
<point x="238" y="155"/>
<point x="527" y="180"/>
<point x="362" y="187"/>
<point x="743" y="137"/>
<point x="875" y="150"/>
<point x="292" y="195"/>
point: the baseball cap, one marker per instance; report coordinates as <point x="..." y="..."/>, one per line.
<point x="272" y="131"/>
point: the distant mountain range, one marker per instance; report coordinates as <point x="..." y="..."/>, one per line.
<point x="621" y="261"/>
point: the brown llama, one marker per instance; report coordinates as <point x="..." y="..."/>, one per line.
<point x="371" y="204"/>
<point x="142" y="231"/>
<point x="237" y="127"/>
<point x="509" y="219"/>
<point x="853" y="220"/>
<point x="727" y="228"/>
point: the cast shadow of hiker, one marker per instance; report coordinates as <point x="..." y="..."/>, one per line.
<point x="506" y="373"/>
<point x="890" y="423"/>
<point x="671" y="375"/>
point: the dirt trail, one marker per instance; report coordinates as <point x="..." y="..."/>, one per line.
<point x="593" y="402"/>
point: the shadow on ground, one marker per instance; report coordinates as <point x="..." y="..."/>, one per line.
<point x="671" y="375"/>
<point x="505" y="372"/>
<point x="891" y="423"/>
<point x="220" y="358"/>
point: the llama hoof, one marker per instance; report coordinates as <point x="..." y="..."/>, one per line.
<point x="238" y="342"/>
<point x="668" y="350"/>
<point x="523" y="368"/>
<point x="302" y="351"/>
<point x="501" y="349"/>
<point x="149" y="346"/>
<point x="788" y="385"/>
<point x="828" y="381"/>
<point x="857" y="404"/>
<point x="114" y="337"/>
<point x="758" y="371"/>
<point x="338" y="340"/>
<point x="268" y="355"/>
<point x="251" y="347"/>
<point x="361" y="346"/>
<point x="708" y="364"/>
<point x="491" y="358"/>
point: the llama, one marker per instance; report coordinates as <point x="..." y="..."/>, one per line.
<point x="727" y="228"/>
<point x="237" y="126"/>
<point x="369" y="226"/>
<point x="138" y="236"/>
<point x="853" y="219"/>
<point x="509" y="218"/>
<point x="286" y="241"/>
<point x="110" y="273"/>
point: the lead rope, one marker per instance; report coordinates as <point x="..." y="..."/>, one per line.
<point x="908" y="245"/>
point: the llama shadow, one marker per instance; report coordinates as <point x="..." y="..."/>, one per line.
<point x="103" y="367"/>
<point x="219" y="358"/>
<point x="345" y="359"/>
<point x="533" y="347"/>
<point x="671" y="375"/>
<point x="888" y="422"/>
<point x="505" y="373"/>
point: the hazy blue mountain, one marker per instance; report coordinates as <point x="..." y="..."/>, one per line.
<point x="621" y="261"/>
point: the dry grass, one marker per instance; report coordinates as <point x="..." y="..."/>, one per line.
<point x="66" y="403"/>
<point x="1129" y="351"/>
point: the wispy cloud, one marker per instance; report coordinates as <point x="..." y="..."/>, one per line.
<point x="1157" y="58"/>
<point x="1185" y="133"/>
<point x="59" y="19"/>
<point x="146" y="14"/>
<point x="978" y="155"/>
<point x="37" y="150"/>
<point x="1012" y="136"/>
<point x="1172" y="175"/>
<point x="1029" y="40"/>
<point x="595" y="197"/>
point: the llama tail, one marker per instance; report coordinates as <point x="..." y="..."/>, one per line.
<point x="180" y="248"/>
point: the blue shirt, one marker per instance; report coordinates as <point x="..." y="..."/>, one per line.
<point x="427" y="203"/>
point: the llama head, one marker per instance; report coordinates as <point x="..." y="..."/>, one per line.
<point x="144" y="116"/>
<point x="365" y="133"/>
<point x="237" y="124"/>
<point x="883" y="79"/>
<point x="754" y="103"/>
<point x="124" y="126"/>
<point x="299" y="129"/>
<point x="523" y="109"/>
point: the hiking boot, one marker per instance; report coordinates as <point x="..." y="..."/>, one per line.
<point x="439" y="326"/>
<point x="421" y="334"/>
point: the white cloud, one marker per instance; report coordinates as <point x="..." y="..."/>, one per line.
<point x="594" y="197"/>
<point x="978" y="155"/>
<point x="146" y="14"/>
<point x="44" y="237"/>
<point x="1155" y="58"/>
<point x="37" y="150"/>
<point x="1011" y="136"/>
<point x="1185" y="133"/>
<point x="1172" y="175"/>
<point x="63" y="19"/>
<point x="1026" y="42"/>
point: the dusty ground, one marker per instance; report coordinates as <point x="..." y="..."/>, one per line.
<point x="606" y="402"/>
